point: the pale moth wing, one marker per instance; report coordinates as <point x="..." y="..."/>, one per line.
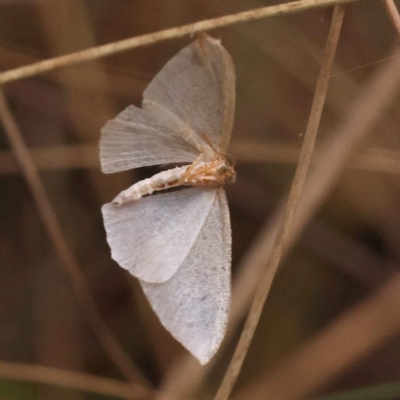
<point x="178" y="243"/>
<point x="142" y="137"/>
<point x="152" y="237"/>
<point x="198" y="86"/>
<point x="193" y="305"/>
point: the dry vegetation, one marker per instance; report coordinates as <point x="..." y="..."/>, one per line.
<point x="74" y="325"/>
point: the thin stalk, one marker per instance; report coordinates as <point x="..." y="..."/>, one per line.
<point x="292" y="203"/>
<point x="167" y="34"/>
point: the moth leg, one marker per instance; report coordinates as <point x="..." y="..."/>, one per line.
<point x="191" y="176"/>
<point x="194" y="164"/>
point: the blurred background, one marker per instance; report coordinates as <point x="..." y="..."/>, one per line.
<point x="343" y="259"/>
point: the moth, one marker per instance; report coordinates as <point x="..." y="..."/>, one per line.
<point x="178" y="243"/>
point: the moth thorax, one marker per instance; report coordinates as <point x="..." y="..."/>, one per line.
<point x="212" y="173"/>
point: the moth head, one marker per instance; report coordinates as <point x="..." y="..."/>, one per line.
<point x="226" y="172"/>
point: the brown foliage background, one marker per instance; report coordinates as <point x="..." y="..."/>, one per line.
<point x="349" y="250"/>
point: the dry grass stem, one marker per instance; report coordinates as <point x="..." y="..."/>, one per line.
<point x="49" y="218"/>
<point x="316" y="364"/>
<point x="374" y="100"/>
<point x="350" y="338"/>
<point x="167" y="34"/>
<point x="393" y="14"/>
<point x="292" y="203"/>
<point x="120" y="80"/>
<point x="71" y="380"/>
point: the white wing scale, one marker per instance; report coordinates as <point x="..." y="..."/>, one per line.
<point x="193" y="305"/>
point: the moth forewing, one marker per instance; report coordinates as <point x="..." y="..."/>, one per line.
<point x="181" y="129"/>
<point x="143" y="137"/>
<point x="225" y="75"/>
<point x="198" y="86"/>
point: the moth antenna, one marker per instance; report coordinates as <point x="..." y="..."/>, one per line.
<point x="228" y="157"/>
